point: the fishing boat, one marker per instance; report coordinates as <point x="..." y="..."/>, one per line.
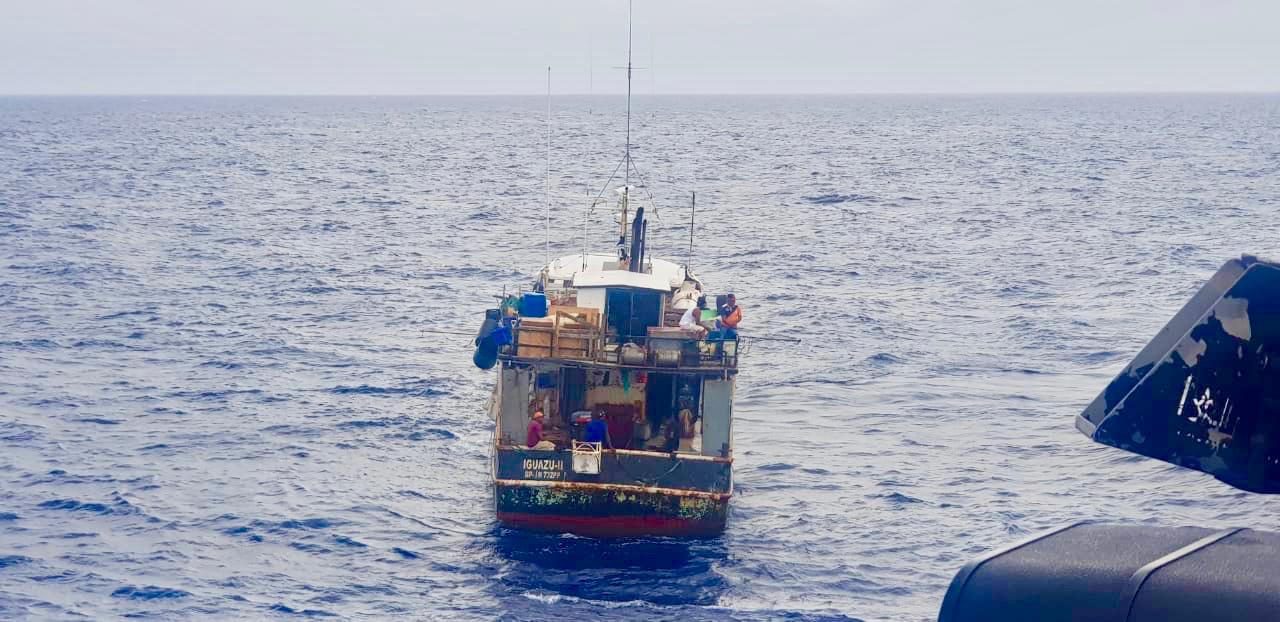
<point x="596" y="336"/>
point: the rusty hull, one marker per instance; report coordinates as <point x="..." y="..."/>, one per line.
<point x="610" y="510"/>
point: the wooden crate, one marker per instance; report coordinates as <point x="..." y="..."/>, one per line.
<point x="575" y="317"/>
<point x="540" y="339"/>
<point x="530" y="334"/>
<point x="542" y="352"/>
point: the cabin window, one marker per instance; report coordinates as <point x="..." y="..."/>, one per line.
<point x="631" y="312"/>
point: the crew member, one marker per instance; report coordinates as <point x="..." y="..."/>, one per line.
<point x="689" y="321"/>
<point x="597" y="430"/>
<point x="671" y="435"/>
<point x="690" y="430"/>
<point x="536" y="438"/>
<point x="730" y="317"/>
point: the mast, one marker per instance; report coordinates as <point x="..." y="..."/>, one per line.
<point x="547" y="183"/>
<point x="626" y="154"/>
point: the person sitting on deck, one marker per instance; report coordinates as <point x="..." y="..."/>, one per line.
<point x="664" y="435"/>
<point x="597" y="430"/>
<point x="689" y="321"/>
<point x="536" y="438"/>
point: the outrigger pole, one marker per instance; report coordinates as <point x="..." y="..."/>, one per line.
<point x="547" y="208"/>
<point x="693" y="208"/>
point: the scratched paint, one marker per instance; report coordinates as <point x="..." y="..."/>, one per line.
<point x="1212" y="402"/>
<point x="573" y="506"/>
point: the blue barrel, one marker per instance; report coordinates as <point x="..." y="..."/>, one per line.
<point x="533" y="304"/>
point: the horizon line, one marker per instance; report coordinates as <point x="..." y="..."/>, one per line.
<point x="672" y="93"/>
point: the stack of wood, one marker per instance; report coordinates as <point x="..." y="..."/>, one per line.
<point x="566" y="332"/>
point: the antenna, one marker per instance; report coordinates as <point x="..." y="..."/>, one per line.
<point x="547" y="209"/>
<point x="653" y="72"/>
<point x="591" y="76"/>
<point x="693" y="208"/>
<point x="626" y="176"/>
<point x="625" y="164"/>
<point x="626" y="154"/>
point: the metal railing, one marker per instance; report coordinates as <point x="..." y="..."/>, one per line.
<point x="650" y="351"/>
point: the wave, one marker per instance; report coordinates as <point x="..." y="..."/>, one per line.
<point x="411" y="391"/>
<point x="833" y="199"/>
<point x="8" y="561"/>
<point x="149" y="592"/>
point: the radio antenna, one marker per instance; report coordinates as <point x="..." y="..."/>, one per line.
<point x="591" y="75"/>
<point x="626" y="153"/>
<point x="547" y="209"/>
<point x="693" y="208"/>
<point x="626" y="176"/>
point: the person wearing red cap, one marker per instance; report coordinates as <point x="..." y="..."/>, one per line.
<point x="536" y="438"/>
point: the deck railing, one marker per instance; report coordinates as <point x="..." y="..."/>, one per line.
<point x="573" y="342"/>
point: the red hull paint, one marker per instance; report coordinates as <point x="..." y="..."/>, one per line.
<point x="612" y="526"/>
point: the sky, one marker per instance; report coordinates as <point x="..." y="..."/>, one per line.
<point x="391" y="47"/>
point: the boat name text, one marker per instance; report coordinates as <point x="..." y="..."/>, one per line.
<point x="543" y="469"/>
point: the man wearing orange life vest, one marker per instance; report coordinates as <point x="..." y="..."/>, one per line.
<point x="730" y="317"/>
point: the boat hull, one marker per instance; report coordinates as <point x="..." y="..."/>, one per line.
<point x="630" y="494"/>
<point x="605" y="511"/>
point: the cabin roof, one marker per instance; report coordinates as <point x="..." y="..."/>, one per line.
<point x="621" y="278"/>
<point x="567" y="268"/>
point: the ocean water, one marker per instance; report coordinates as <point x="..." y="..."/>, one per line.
<point x="218" y="398"/>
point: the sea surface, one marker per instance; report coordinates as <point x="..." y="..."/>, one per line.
<point x="225" y="393"/>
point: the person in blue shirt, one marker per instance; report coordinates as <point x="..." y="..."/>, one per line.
<point x="597" y="430"/>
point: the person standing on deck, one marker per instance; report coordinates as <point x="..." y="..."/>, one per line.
<point x="730" y="317"/>
<point x="536" y="438"/>
<point x="597" y="431"/>
<point x="671" y="435"/>
<point x="690" y="430"/>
